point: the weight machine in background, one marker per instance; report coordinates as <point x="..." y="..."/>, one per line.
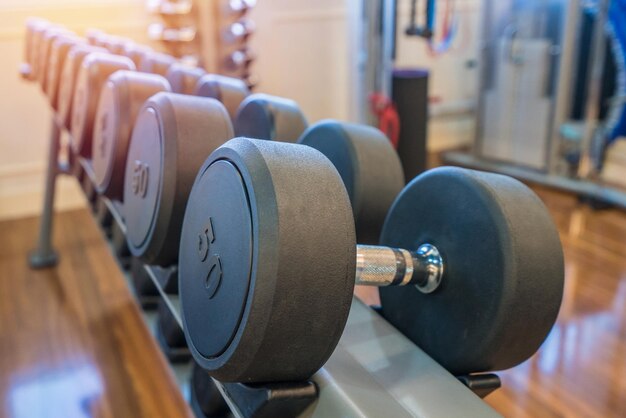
<point x="210" y="34"/>
<point x="551" y="101"/>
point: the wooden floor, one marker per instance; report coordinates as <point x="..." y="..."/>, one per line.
<point x="581" y="368"/>
<point x="72" y="340"/>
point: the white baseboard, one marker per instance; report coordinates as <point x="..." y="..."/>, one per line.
<point x="21" y="193"/>
<point x="450" y="132"/>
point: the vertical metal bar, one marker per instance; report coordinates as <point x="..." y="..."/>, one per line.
<point x="481" y="68"/>
<point x="44" y="255"/>
<point x="592" y="110"/>
<point x="387" y="46"/>
<point x="563" y="99"/>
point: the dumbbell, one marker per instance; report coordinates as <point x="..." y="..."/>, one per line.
<point x="121" y="99"/>
<point x="206" y="399"/>
<point x="116" y="44"/>
<point x="136" y="52"/>
<point x="147" y="293"/>
<point x="470" y="266"/>
<point x="156" y="63"/>
<point x="45" y="47"/>
<point x="183" y="78"/>
<point x="59" y="51"/>
<point x="35" y="29"/>
<point x="228" y="90"/>
<point x="95" y="37"/>
<point x="369" y="167"/>
<point x="262" y="116"/>
<point x="69" y="76"/>
<point x="172" y="137"/>
<point x="94" y="71"/>
<point x="170" y="335"/>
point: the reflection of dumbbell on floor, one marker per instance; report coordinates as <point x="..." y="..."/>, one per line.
<point x="172" y="137"/>
<point x="121" y="98"/>
<point x="473" y="271"/>
<point x="262" y="116"/>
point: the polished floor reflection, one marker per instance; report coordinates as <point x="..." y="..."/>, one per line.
<point x="72" y="340"/>
<point x="581" y="368"/>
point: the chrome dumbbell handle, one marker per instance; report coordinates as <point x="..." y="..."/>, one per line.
<point x="387" y="266"/>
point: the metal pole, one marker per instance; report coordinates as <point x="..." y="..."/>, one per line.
<point x="44" y="255"/>
<point x="563" y="100"/>
<point x="592" y="110"/>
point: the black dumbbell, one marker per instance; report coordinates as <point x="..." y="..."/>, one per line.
<point x="94" y="71"/>
<point x="136" y="52"/>
<point x="183" y="78"/>
<point x="172" y="137"/>
<point x="369" y="167"/>
<point x="59" y="51"/>
<point x="170" y="335"/>
<point x="228" y="90"/>
<point x="67" y="82"/>
<point x="34" y="31"/>
<point x="155" y="63"/>
<point x="206" y="399"/>
<point x="121" y="99"/>
<point x="471" y="267"/>
<point x="43" y="56"/>
<point x="262" y="116"/>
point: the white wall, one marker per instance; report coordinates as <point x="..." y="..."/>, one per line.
<point x="303" y="54"/>
<point x="24" y="114"/>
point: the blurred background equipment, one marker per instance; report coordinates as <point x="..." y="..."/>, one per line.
<point x="551" y="101"/>
<point x="211" y="34"/>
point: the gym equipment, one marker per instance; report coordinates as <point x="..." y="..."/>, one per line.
<point x="183" y="78"/>
<point x="230" y="91"/>
<point x="34" y="38"/>
<point x="369" y="167"/>
<point x="135" y="52"/>
<point x="145" y="289"/>
<point x="95" y="36"/>
<point x="262" y="116"/>
<point x="116" y="44"/>
<point x="93" y="73"/>
<point x="206" y="399"/>
<point x="69" y="76"/>
<point x="121" y="98"/>
<point x="34" y="29"/>
<point x="156" y="63"/>
<point x="45" y="47"/>
<point x="172" y="137"/>
<point x="170" y="335"/>
<point x="58" y="53"/>
<point x="473" y="263"/>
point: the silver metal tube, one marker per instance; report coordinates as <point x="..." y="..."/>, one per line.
<point x="592" y="110"/>
<point x="44" y="255"/>
<point x="386" y="266"/>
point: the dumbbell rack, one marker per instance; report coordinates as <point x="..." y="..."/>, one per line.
<point x="374" y="371"/>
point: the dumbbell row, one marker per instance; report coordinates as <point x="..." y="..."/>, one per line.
<point x="260" y="185"/>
